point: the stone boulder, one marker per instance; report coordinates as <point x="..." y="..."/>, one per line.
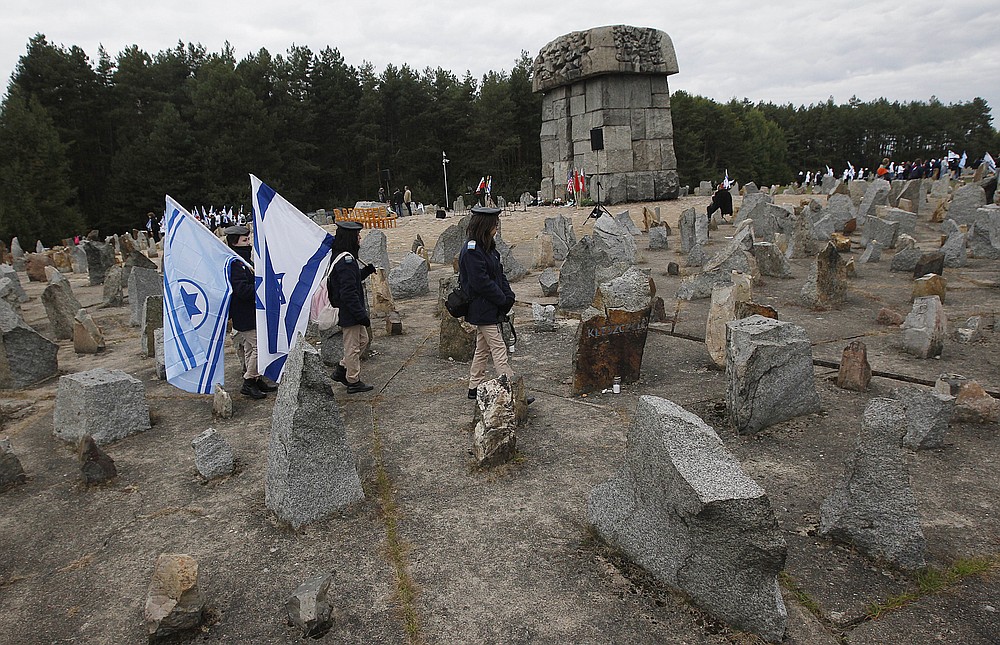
<point x="965" y="201"/>
<point x="984" y="234"/>
<point x="954" y="250"/>
<point x="563" y="237"/>
<point x="11" y="471"/>
<point x="409" y="279"/>
<point x="877" y="194"/>
<point x="855" y="373"/>
<point x="770" y="261"/>
<point x="658" y="239"/>
<point x="883" y="230"/>
<point x="611" y="337"/>
<point x="769" y="373"/>
<point x="873" y="507"/>
<point x="449" y="244"/>
<point x="113" y="294"/>
<point x="309" y="607"/>
<point x="549" y="282"/>
<point x="109" y="405"/>
<point x="7" y="271"/>
<point x="87" y="336"/>
<point x="826" y="286"/>
<point x="374" y="249"/>
<point x="142" y="283"/>
<point x="26" y="357"/>
<point x="927" y="416"/>
<point x="494" y="439"/>
<point x="616" y="240"/>
<point x="625" y="221"/>
<point x="723" y="310"/>
<point x="96" y="466"/>
<point x="173" y="602"/>
<point x="544" y="256"/>
<point x="682" y="508"/>
<point x="311" y="470"/>
<point x="586" y="266"/>
<point x="512" y="268"/>
<point x="100" y="257"/>
<point x="213" y="456"/>
<point x="925" y="328"/>
<point x="543" y="317"/>
<point x="60" y="307"/>
<point x="34" y="266"/>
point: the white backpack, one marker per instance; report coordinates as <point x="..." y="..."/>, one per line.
<point x="321" y="312"/>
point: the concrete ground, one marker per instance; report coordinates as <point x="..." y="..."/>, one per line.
<point x="444" y="552"/>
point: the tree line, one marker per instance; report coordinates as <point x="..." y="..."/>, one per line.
<point x="87" y="144"/>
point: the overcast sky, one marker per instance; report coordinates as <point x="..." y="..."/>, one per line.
<point x="799" y="52"/>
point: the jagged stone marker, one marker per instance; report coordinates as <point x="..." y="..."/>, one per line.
<point x="873" y="506"/>
<point x="683" y="509"/>
<point x="311" y="469"/>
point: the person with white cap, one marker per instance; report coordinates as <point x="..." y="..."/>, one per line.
<point x="243" y="313"/>
<point x="345" y="291"/>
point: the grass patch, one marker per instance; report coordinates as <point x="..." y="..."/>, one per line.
<point x="931" y="581"/>
<point x="396" y="549"/>
<point x="800" y="595"/>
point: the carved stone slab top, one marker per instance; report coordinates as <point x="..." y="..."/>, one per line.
<point x="617" y="49"/>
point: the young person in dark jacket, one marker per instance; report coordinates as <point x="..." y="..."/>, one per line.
<point x="243" y="312"/>
<point x="345" y="291"/>
<point x="490" y="295"/>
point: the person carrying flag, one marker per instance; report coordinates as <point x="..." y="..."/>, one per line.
<point x="345" y="291"/>
<point x="243" y="312"/>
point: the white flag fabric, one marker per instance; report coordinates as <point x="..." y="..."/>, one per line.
<point x="290" y="254"/>
<point x="961" y="162"/>
<point x="990" y="164"/>
<point x="196" y="295"/>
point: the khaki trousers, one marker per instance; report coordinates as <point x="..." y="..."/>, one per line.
<point x="489" y="341"/>
<point x="355" y="343"/>
<point x="245" y="343"/>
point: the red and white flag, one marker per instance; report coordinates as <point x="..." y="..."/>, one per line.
<point x="482" y="185"/>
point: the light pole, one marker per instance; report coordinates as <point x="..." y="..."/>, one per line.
<point x="444" y="167"/>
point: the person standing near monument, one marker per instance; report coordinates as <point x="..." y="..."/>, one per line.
<point x="345" y="291"/>
<point x="722" y="201"/>
<point x="490" y="296"/>
<point x="407" y="198"/>
<point x="243" y="312"/>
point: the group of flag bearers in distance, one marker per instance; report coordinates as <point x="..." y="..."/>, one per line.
<point x="263" y="279"/>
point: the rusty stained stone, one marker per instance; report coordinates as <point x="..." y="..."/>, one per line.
<point x="745" y="309"/>
<point x="932" y="262"/>
<point x="887" y="316"/>
<point x="609" y="346"/>
<point x="850" y="226"/>
<point x="930" y="284"/>
<point x="855" y="372"/>
<point x="840" y="242"/>
<point x="95" y="464"/>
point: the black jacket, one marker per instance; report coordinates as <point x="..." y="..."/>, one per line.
<point x="482" y="278"/>
<point x="344" y="289"/>
<point x="242" y="306"/>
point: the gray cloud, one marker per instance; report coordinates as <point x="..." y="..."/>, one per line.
<point x="798" y="52"/>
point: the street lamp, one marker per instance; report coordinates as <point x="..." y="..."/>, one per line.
<point x="444" y="167"/>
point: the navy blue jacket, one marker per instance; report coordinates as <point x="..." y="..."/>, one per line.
<point x="344" y="289"/>
<point x="242" y="305"/>
<point x="482" y="278"/>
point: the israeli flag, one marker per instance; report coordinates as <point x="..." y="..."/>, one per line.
<point x="291" y="254"/>
<point x="196" y="296"/>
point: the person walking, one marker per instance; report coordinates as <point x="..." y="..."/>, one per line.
<point x="722" y="201"/>
<point x="407" y="198"/>
<point x="490" y="296"/>
<point x="345" y="291"/>
<point x="243" y="313"/>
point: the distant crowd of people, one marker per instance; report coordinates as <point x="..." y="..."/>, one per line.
<point x="950" y="166"/>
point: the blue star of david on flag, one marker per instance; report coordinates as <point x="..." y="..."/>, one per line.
<point x="196" y="296"/>
<point x="291" y="256"/>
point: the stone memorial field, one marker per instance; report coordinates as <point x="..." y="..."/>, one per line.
<point x="803" y="449"/>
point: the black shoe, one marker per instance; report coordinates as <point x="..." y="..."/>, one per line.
<point x="251" y="390"/>
<point x="530" y="400"/>
<point x="264" y="386"/>
<point x="340" y="374"/>
<point x="472" y="392"/>
<point x="359" y="386"/>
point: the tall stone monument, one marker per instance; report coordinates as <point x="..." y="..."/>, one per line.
<point x="606" y="111"/>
